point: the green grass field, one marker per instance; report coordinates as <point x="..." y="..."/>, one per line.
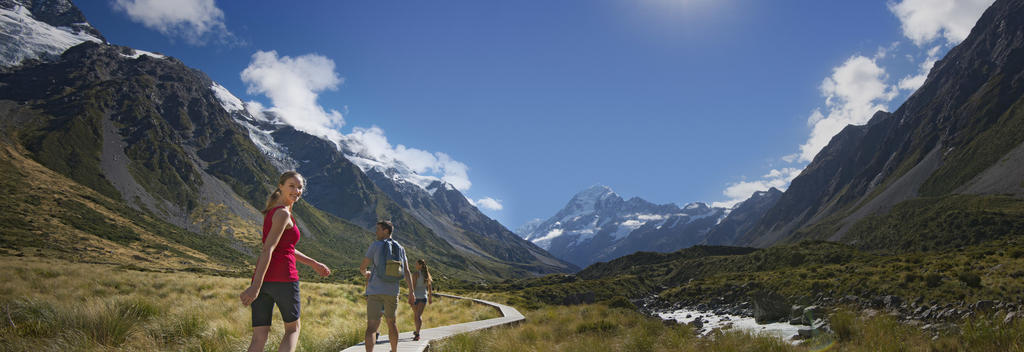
<point x="54" y="305"/>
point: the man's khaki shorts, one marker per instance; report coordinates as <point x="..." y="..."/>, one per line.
<point x="376" y="303"/>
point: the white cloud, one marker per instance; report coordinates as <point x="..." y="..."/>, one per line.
<point x="293" y="85"/>
<point x="883" y="51"/>
<point x="488" y="203"/>
<point x="853" y="93"/>
<point x="740" y="191"/>
<point x="196" y="21"/>
<point x="926" y="20"/>
<point x="372" y="145"/>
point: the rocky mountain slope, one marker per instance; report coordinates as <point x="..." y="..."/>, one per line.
<point x="943" y="155"/>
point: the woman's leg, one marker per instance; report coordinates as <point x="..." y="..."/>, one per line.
<point x="259" y="338"/>
<point x="418" y="315"/>
<point x="291" y="337"/>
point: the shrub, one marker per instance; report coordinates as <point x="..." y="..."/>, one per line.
<point x="970" y="279"/>
<point x="933" y="280"/>
<point x="599" y="326"/>
<point x="620" y="302"/>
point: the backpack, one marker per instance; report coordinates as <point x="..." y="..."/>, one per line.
<point x="393" y="270"/>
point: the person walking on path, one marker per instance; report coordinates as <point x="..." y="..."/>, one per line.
<point x="424" y="283"/>
<point x="389" y="266"/>
<point x="275" y="279"/>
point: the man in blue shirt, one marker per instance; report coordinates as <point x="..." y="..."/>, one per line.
<point x="381" y="294"/>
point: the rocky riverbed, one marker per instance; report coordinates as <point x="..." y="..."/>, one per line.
<point x="780" y="316"/>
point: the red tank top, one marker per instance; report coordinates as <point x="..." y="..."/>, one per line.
<point x="282" y="260"/>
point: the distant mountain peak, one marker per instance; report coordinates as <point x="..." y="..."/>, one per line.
<point x="695" y="206"/>
<point x="595" y="191"/>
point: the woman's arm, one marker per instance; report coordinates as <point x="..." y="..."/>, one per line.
<point x="278" y="222"/>
<point x="318" y="266"/>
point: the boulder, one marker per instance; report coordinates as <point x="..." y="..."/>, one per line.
<point x="813" y="313"/>
<point x="984" y="305"/>
<point x="769" y="307"/>
<point x="891" y="301"/>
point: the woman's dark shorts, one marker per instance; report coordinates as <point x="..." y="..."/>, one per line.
<point x="420" y="300"/>
<point x="285" y="294"/>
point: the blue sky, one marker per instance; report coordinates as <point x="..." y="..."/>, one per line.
<point x="522" y="104"/>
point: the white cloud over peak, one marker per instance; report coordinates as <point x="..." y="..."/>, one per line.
<point x="853" y="93"/>
<point x="196" y="21"/>
<point x="293" y="85"/>
<point x="488" y="203"/>
<point x="740" y="191"/>
<point x="372" y="144"/>
<point x="926" y="20"/>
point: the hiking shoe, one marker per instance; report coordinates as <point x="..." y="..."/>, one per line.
<point x="415" y="336"/>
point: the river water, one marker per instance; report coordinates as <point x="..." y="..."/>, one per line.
<point x="725" y="322"/>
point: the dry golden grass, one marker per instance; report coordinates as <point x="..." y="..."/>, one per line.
<point x="58" y="306"/>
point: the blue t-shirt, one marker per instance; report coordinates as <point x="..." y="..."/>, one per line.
<point x="376" y="255"/>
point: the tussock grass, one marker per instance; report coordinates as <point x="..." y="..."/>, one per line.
<point x="52" y="305"/>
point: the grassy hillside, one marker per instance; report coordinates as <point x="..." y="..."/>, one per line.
<point x="59" y="306"/>
<point x="48" y="215"/>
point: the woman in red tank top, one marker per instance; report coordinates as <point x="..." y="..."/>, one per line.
<point x="275" y="280"/>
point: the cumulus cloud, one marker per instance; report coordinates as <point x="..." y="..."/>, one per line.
<point x="926" y="20"/>
<point x="488" y="203"/>
<point x="369" y="147"/>
<point x="853" y="93"/>
<point x="293" y="85"/>
<point x="196" y="21"/>
<point x="740" y="191"/>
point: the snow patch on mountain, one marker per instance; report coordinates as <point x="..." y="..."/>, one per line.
<point x="259" y="133"/>
<point x="136" y="53"/>
<point x="228" y="100"/>
<point x="23" y="37"/>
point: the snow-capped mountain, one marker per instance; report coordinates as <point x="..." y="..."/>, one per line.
<point x="41" y="30"/>
<point x="598" y="225"/>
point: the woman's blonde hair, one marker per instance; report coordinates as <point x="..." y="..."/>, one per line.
<point x="277" y="190"/>
<point x="426" y="272"/>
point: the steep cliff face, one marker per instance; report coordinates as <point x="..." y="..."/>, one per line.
<point x="960" y="133"/>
